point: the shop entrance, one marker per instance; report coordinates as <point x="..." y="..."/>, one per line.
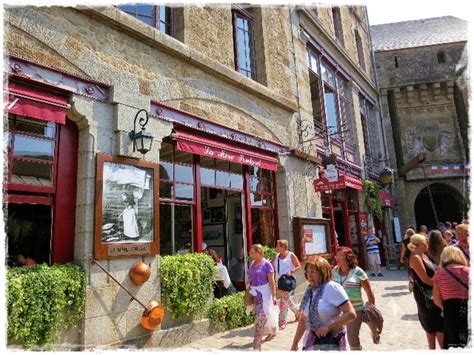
<point x="222" y="228"/>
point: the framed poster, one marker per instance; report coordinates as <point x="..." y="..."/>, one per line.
<point x="312" y="237"/>
<point x="126" y="208"/>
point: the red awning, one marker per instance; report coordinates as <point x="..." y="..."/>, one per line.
<point x="215" y="147"/>
<point x="342" y="182"/>
<point x="33" y="102"/>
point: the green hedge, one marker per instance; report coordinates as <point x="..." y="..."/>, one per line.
<point x="42" y="300"/>
<point x="186" y="283"/>
<point x="269" y="252"/>
<point x="229" y="312"/>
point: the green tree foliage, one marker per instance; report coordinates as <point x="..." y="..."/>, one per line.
<point x="229" y="312"/>
<point x="269" y="252"/>
<point x="42" y="300"/>
<point x="372" y="198"/>
<point x="186" y="283"/>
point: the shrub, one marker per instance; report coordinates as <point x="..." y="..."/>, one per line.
<point x="228" y="312"/>
<point x="186" y="283"/>
<point x="269" y="252"/>
<point x="42" y="300"/>
<point x="372" y="198"/>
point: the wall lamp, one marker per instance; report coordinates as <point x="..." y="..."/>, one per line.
<point x="142" y="140"/>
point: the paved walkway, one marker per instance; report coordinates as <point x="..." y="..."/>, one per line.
<point x="402" y="330"/>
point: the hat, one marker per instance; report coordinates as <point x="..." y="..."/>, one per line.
<point x="204" y="246"/>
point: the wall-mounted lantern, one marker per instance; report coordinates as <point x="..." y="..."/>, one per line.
<point x="387" y="177"/>
<point x="142" y="140"/>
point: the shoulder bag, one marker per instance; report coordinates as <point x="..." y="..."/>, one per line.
<point x="454" y="276"/>
<point x="285" y="282"/>
<point x="427" y="294"/>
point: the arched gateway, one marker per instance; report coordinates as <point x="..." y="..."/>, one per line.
<point x="447" y="201"/>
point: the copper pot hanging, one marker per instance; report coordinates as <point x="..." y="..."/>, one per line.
<point x="139" y="273"/>
<point x="154" y="312"/>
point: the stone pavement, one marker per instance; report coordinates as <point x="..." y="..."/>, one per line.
<point x="402" y="330"/>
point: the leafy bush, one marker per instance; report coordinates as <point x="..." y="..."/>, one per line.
<point x="228" y="312"/>
<point x="269" y="252"/>
<point x="372" y="199"/>
<point x="186" y="283"/>
<point x="42" y="300"/>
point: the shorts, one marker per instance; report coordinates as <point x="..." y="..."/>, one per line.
<point x="373" y="258"/>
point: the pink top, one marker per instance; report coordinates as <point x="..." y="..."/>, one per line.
<point x="450" y="287"/>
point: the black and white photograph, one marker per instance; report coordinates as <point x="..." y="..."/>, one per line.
<point x="127" y="205"/>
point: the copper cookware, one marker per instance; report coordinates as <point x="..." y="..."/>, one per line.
<point x="139" y="273"/>
<point x="154" y="312"/>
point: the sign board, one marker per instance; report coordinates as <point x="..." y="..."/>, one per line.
<point x="312" y="237"/>
<point x="396" y="228"/>
<point x="331" y="173"/>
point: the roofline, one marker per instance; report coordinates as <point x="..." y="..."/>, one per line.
<point x="417" y="20"/>
<point x="426" y="45"/>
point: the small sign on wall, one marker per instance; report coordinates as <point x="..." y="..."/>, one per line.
<point x="396" y="228"/>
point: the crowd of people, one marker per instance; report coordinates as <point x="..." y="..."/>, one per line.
<point x="332" y="309"/>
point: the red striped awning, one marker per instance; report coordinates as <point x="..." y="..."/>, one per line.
<point x="224" y="149"/>
<point x="37" y="103"/>
<point x="342" y="182"/>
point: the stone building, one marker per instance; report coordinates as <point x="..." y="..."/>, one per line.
<point x="242" y="104"/>
<point x="421" y="68"/>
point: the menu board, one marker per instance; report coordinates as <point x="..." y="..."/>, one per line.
<point x="314" y="239"/>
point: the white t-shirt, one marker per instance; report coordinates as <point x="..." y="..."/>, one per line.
<point x="333" y="296"/>
<point x="286" y="265"/>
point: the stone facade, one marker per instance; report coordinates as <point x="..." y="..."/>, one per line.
<point x="193" y="72"/>
<point x="420" y="114"/>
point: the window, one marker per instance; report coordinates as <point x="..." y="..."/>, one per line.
<point x="336" y="19"/>
<point x="396" y="61"/>
<point x="244" y="46"/>
<point x="42" y="167"/>
<point x="360" y="49"/>
<point x="441" y="57"/>
<point x="262" y="200"/>
<point x="372" y="133"/>
<point x="316" y="100"/>
<point x="159" y="17"/>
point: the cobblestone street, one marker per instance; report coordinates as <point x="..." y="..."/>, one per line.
<point x="401" y="331"/>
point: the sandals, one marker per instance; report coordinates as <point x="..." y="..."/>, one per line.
<point x="270" y="337"/>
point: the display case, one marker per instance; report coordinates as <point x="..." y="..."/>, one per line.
<point x="312" y="237"/>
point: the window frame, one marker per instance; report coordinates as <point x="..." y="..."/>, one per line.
<point x="155" y="17"/>
<point x="360" y="49"/>
<point x="239" y="12"/>
<point x="337" y="24"/>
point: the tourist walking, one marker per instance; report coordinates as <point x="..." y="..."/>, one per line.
<point x="451" y="294"/>
<point x="262" y="287"/>
<point x="373" y="254"/>
<point x="285" y="264"/>
<point x="422" y="270"/>
<point x="325" y="310"/>
<point x="352" y="278"/>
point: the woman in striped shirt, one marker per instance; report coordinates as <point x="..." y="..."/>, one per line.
<point x="352" y="278"/>
<point x="451" y="294"/>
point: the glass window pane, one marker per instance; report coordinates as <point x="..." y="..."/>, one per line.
<point x="143" y="9"/>
<point x="222" y="178"/>
<point x="166" y="190"/>
<point x="33" y="148"/>
<point x="184" y="192"/>
<point x="28" y="125"/>
<point x="253" y="183"/>
<point x="162" y="27"/>
<point x="145" y="19"/>
<point x="236" y="181"/>
<point x="166" y="170"/>
<point x="208" y="176"/>
<point x="166" y="226"/>
<point x="183" y="157"/>
<point x="25" y="172"/>
<point x="128" y="8"/>
<point x="184" y="173"/>
<point x="183" y="228"/>
<point x="262" y="226"/>
<point x="163" y="12"/>
<point x="331" y="111"/>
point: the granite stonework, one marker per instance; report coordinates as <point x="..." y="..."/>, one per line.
<point x="193" y="72"/>
<point x="418" y="79"/>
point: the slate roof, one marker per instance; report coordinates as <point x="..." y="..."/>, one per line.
<point x="418" y="33"/>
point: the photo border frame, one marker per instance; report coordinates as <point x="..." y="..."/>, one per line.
<point x="103" y="250"/>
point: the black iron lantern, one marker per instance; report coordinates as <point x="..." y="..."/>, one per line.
<point x="142" y="140"/>
<point x="329" y="159"/>
<point x="387" y="176"/>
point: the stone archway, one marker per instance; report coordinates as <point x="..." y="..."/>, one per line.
<point x="448" y="203"/>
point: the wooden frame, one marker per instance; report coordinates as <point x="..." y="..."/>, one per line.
<point x="127" y="183"/>
<point x="312" y="237"/>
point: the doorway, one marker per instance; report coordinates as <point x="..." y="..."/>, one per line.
<point x="222" y="228"/>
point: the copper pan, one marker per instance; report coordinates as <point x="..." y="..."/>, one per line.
<point x="153" y="313"/>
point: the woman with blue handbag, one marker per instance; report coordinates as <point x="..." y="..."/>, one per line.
<point x="285" y="264"/>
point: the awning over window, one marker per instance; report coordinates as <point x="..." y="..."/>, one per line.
<point x="33" y="102"/>
<point x="342" y="182"/>
<point x="215" y="147"/>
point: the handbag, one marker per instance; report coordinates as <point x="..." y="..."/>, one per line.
<point x="248" y="298"/>
<point x="327" y="342"/>
<point x="428" y="295"/>
<point x="285" y="282"/>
